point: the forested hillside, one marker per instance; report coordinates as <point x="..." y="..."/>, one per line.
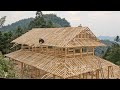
<point x="100" y="51"/>
<point x="57" y="22"/>
<point x="22" y="23"/>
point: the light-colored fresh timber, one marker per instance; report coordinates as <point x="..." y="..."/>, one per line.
<point x="66" y="52"/>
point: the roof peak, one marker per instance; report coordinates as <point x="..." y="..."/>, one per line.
<point x="60" y="27"/>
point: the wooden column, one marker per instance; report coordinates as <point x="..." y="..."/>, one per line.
<point x="108" y="72"/>
<point x="85" y="75"/>
<point x="46" y="49"/>
<point x="93" y="51"/>
<point x="65" y="52"/>
<point x="79" y="76"/>
<point x="35" y="49"/>
<point x="81" y="52"/>
<point x="87" y="51"/>
<point x="22" y="70"/>
<point x="21" y="46"/>
<point x="110" y="68"/>
<point x="97" y="74"/>
<point x="92" y="74"/>
<point x="53" y="76"/>
<point x="29" y="48"/>
<point x="55" y="51"/>
<point x="74" y="52"/>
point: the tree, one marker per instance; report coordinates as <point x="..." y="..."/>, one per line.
<point x="39" y="14"/>
<point x="50" y="24"/>
<point x="2" y="21"/>
<point x="6" y="69"/>
<point x="113" y="53"/>
<point x="117" y="39"/>
<point x="40" y="22"/>
<point x="18" y="31"/>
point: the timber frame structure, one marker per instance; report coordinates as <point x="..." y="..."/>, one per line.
<point x="64" y="53"/>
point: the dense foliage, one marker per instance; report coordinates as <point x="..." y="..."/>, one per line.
<point x="113" y="52"/>
<point x="6" y="68"/>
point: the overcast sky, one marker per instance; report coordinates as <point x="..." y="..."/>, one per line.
<point x="105" y="23"/>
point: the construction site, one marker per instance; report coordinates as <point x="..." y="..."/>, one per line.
<point x="60" y="53"/>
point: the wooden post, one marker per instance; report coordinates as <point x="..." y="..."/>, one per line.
<point x="31" y="72"/>
<point x="83" y="75"/>
<point x="74" y="52"/>
<point x="92" y="75"/>
<point x="29" y="48"/>
<point x="81" y="52"/>
<point x="79" y="76"/>
<point x="55" y="51"/>
<point x="108" y="72"/>
<point x="46" y="49"/>
<point x="22" y="70"/>
<point x="97" y="74"/>
<point x="36" y="74"/>
<point x="110" y="69"/>
<point x="53" y="76"/>
<point x="65" y="53"/>
<point x="87" y="51"/>
<point x="93" y="51"/>
<point x="35" y="49"/>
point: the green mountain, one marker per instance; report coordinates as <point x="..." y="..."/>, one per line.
<point x="22" y="23"/>
<point x="57" y="21"/>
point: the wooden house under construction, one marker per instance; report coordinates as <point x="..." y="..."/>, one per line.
<point x="61" y="53"/>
